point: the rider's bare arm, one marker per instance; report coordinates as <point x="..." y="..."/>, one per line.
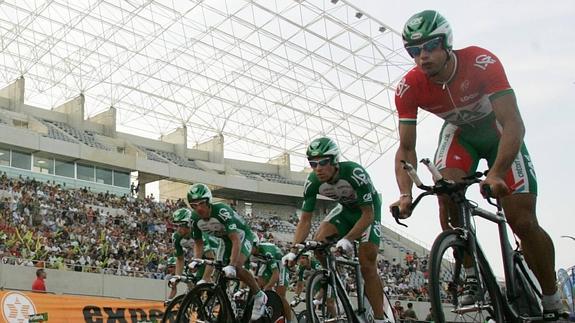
<point x="209" y="269"/>
<point x="405" y="151"/>
<point x="198" y="248"/>
<point x="364" y="222"/>
<point x="236" y="246"/>
<point x="507" y="114"/>
<point x="303" y="227"/>
<point x="299" y="287"/>
<point x="179" y="265"/>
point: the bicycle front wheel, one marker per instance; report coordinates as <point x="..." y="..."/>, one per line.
<point x="205" y="303"/>
<point x="172" y="309"/>
<point x="446" y="279"/>
<point x="321" y="303"/>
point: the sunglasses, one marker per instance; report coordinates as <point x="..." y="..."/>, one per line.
<point x="195" y="205"/>
<point x="429" y="46"/>
<point x="320" y="162"/>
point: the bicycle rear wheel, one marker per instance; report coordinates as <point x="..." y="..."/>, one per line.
<point x="326" y="307"/>
<point x="447" y="277"/>
<point x="206" y="303"/>
<point x="172" y="309"/>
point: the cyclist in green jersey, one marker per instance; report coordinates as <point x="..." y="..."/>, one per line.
<point x="272" y="275"/>
<point x="220" y="220"/>
<point x="306" y="265"/>
<point x="183" y="241"/>
<point x="357" y="216"/>
<point x="170" y="272"/>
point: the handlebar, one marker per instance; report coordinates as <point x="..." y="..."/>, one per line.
<point x="315" y="245"/>
<point x="262" y="259"/>
<point x="208" y="262"/>
<point x="441" y="186"/>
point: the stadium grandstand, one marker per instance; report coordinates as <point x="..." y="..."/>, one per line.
<point x="99" y="99"/>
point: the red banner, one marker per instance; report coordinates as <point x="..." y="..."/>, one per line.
<point x="17" y="307"/>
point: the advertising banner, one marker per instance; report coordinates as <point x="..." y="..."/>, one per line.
<point x="19" y="306"/>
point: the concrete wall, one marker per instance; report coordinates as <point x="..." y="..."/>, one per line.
<point x="70" y="282"/>
<point x="78" y="283"/>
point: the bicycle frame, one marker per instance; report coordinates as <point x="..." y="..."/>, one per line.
<point x="467" y="210"/>
<point x="362" y="304"/>
<point x="335" y="281"/>
<point x="509" y="256"/>
<point x="221" y="282"/>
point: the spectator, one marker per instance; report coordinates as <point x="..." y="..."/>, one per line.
<point x="409" y="314"/>
<point x="38" y="285"/>
<point x="398" y="310"/>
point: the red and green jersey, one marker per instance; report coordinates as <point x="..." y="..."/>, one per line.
<point x="463" y="101"/>
<point x="471" y="131"/>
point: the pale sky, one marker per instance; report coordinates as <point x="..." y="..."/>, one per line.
<point x="535" y="41"/>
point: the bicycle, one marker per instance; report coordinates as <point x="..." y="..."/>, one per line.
<point x="210" y="302"/>
<point x="174" y="305"/>
<point x="335" y="304"/>
<point x="521" y="301"/>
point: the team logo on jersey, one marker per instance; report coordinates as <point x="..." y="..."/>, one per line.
<point x="225" y="214"/>
<point x="464" y="85"/>
<point x="402" y="87"/>
<point x="482" y="61"/>
<point x="468" y="97"/>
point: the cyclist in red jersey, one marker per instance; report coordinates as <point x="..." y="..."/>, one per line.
<point x="468" y="88"/>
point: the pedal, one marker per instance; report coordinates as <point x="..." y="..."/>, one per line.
<point x="551" y="316"/>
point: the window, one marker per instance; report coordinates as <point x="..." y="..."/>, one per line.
<point x="121" y="179"/>
<point x="21" y="160"/>
<point x="103" y="176"/>
<point x="85" y="172"/>
<point x="20" y="123"/>
<point x="43" y="165"/>
<point x="5" y="157"/>
<point x="64" y="168"/>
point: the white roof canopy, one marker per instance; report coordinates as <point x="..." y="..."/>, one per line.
<point x="269" y="75"/>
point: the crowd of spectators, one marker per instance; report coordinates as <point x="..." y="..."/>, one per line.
<point x="48" y="226"/>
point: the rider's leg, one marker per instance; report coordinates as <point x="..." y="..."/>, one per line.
<point x="208" y="271"/>
<point x="448" y="212"/>
<point x="373" y="287"/>
<point x="325" y="230"/>
<point x="520" y="212"/>
<point x="245" y="276"/>
<point x="449" y="217"/>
